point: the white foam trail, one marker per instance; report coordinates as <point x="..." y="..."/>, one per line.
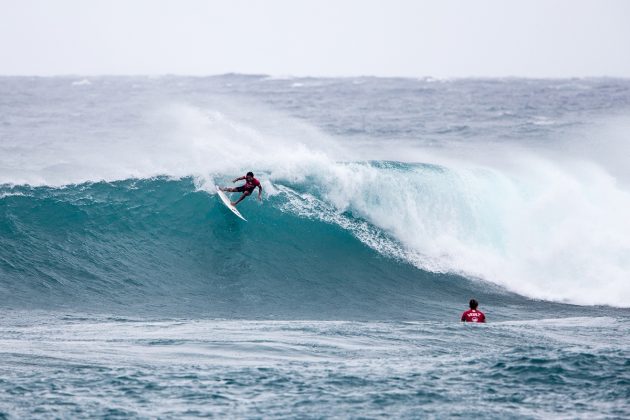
<point x="309" y="206"/>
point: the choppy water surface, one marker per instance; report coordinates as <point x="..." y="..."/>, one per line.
<point x="71" y="366"/>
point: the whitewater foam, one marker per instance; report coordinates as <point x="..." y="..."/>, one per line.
<point x="546" y="228"/>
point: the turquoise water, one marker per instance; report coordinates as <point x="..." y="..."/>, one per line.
<point x="128" y="290"/>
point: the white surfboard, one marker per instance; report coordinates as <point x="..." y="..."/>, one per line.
<point x="228" y="204"/>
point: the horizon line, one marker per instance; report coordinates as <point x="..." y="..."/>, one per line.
<point x="293" y="76"/>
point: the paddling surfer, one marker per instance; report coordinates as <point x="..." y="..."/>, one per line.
<point x="250" y="185"/>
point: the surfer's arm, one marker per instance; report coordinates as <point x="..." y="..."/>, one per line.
<point x="238" y="179"/>
<point x="259" y="191"/>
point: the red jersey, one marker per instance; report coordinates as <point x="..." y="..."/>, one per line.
<point x="473" y="315"/>
<point x="251" y="185"/>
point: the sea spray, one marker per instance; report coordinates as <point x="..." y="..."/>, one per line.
<point x="487" y="204"/>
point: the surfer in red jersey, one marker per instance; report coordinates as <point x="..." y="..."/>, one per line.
<point x="473" y="315"/>
<point x="250" y="185"/>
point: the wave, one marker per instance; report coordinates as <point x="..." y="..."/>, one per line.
<point x="552" y="228"/>
<point x="165" y="247"/>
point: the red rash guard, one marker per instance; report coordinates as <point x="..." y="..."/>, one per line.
<point x="473" y="315"/>
<point x="250" y="186"/>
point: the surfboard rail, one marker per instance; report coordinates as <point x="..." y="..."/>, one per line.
<point x="228" y="204"/>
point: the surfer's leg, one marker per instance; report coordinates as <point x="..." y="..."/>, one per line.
<point x="241" y="198"/>
<point x="227" y="189"/>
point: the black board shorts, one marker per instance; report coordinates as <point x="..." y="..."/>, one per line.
<point x="243" y="188"/>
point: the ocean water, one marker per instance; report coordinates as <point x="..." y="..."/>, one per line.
<point x="127" y="290"/>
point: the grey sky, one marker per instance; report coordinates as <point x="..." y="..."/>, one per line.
<point x="443" y="38"/>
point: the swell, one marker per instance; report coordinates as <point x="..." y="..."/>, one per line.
<point x="162" y="246"/>
<point x="165" y="247"/>
<point x="546" y="224"/>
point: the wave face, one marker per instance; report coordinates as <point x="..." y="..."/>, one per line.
<point x="105" y="197"/>
<point x="166" y="247"/>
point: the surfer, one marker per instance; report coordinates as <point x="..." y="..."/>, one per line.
<point x="473" y="315"/>
<point x="250" y="185"/>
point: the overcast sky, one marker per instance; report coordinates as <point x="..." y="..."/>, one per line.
<point x="442" y="38"/>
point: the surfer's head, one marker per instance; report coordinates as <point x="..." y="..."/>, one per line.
<point x="249" y="175"/>
<point x="473" y="304"/>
